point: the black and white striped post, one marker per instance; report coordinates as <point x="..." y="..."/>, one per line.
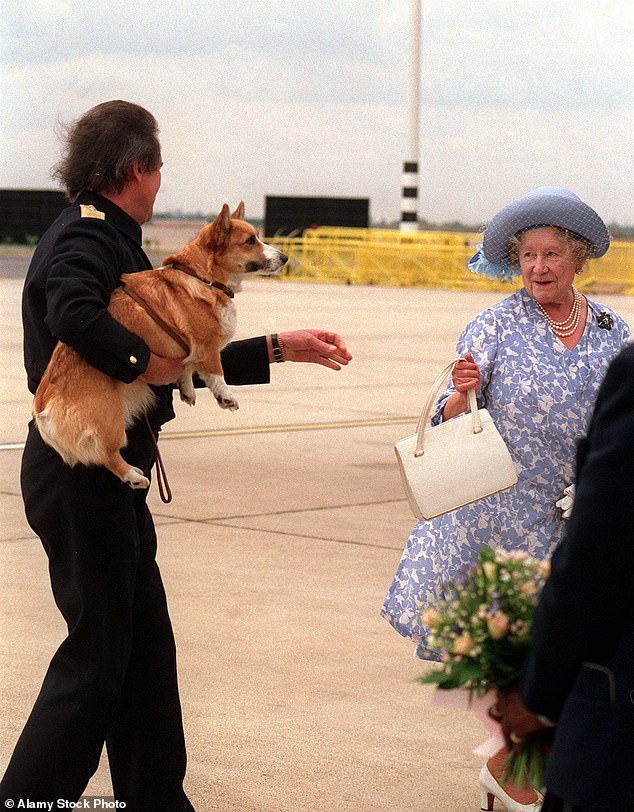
<point x="409" y="196"/>
<point x="409" y="183"/>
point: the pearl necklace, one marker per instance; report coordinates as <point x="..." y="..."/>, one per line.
<point x="565" y="328"/>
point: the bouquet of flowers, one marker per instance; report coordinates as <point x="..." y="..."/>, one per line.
<point x="483" y="631"/>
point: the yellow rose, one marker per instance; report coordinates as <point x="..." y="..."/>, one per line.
<point x="463" y="644"/>
<point x="431" y="617"/>
<point x="498" y="625"/>
<point x="490" y="569"/>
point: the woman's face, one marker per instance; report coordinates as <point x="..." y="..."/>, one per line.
<point x="547" y="265"/>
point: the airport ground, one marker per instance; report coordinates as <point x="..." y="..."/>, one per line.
<point x="287" y="524"/>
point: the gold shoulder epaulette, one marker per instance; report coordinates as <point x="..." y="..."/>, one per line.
<point x="91" y="211"/>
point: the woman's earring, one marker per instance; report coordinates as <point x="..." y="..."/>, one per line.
<point x="578" y="271"/>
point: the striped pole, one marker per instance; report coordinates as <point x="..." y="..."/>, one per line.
<point x="409" y="185"/>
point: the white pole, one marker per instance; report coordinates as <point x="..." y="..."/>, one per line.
<point x="409" y="188"/>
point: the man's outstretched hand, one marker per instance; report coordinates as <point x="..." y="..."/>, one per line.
<point x="315" y="347"/>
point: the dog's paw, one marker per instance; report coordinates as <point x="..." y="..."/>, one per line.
<point x="188" y="397"/>
<point x="135" y="478"/>
<point x="228" y="402"/>
<point x="186" y="389"/>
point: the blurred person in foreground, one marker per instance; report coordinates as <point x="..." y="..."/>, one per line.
<point x="536" y="360"/>
<point x="579" y="674"/>
<point x="113" y="679"/>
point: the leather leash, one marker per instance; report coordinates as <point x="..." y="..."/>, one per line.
<point x="165" y="491"/>
<point x="219" y="285"/>
<point x="157" y="319"/>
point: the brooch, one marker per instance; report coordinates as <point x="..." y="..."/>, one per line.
<point x="605" y="320"/>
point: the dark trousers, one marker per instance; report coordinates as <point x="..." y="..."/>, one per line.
<point x="113" y="679"/>
<point x="554" y="804"/>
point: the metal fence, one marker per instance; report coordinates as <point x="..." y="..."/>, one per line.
<point x="438" y="259"/>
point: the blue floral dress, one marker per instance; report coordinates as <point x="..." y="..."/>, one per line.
<point x="540" y="395"/>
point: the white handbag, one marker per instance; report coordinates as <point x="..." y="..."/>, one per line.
<point x="453" y="464"/>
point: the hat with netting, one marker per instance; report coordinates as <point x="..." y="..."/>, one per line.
<point x="546" y="206"/>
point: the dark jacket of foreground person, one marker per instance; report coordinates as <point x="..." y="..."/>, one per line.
<point x="580" y="673"/>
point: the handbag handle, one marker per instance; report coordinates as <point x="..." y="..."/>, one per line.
<point x="429" y="405"/>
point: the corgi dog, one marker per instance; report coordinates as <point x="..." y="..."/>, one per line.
<point x="184" y="309"/>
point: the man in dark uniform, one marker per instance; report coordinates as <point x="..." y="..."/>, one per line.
<point x="580" y="671"/>
<point x="113" y="679"/>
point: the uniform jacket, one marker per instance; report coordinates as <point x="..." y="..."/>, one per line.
<point x="76" y="266"/>
<point x="580" y="672"/>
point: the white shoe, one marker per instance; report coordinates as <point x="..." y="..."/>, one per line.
<point x="490" y="789"/>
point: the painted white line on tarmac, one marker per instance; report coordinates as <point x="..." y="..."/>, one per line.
<point x="340" y="424"/>
<point x="188" y="435"/>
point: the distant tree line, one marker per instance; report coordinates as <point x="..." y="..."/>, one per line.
<point x="617" y="231"/>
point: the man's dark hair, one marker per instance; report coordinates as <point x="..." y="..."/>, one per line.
<point x="102" y="145"/>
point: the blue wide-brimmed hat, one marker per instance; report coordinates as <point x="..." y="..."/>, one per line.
<point x="546" y="206"/>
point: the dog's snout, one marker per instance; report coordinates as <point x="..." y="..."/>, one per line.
<point x="283" y="258"/>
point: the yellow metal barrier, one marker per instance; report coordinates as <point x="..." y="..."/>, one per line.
<point x="357" y="256"/>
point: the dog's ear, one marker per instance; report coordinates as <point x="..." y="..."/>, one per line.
<point x="239" y="212"/>
<point x="221" y="227"/>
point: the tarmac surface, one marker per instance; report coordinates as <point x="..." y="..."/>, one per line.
<point x="287" y="524"/>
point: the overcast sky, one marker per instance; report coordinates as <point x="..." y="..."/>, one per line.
<point x="279" y="97"/>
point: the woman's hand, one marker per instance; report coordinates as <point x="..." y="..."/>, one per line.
<point x="313" y="347"/>
<point x="465" y="375"/>
<point x="516" y="720"/>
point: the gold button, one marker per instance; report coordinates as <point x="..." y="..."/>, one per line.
<point x="133" y="359"/>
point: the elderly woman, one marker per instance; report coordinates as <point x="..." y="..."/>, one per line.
<point x="536" y="360"/>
